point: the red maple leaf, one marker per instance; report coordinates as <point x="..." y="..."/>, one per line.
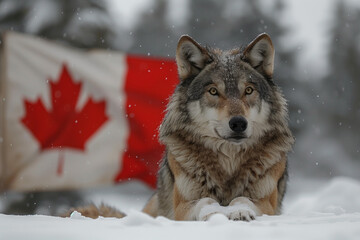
<point x="63" y="126"/>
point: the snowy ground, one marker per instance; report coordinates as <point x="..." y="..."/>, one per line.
<point x="313" y="210"/>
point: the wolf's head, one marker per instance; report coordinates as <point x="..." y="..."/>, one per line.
<point x="225" y="95"/>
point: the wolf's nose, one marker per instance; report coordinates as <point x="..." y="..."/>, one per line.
<point x="238" y="124"/>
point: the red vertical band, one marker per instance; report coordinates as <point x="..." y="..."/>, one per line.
<point x="149" y="83"/>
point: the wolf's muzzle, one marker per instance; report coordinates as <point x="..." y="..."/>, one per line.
<point x="238" y="124"/>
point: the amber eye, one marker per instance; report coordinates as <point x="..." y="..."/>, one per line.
<point x="249" y="90"/>
<point x="213" y="91"/>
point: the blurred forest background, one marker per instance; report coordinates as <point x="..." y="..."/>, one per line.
<point x="324" y="106"/>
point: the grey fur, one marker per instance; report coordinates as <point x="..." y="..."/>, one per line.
<point x="185" y="139"/>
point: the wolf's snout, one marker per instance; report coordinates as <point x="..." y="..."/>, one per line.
<point x="238" y="124"/>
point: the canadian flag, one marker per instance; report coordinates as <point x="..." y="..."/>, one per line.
<point x="73" y="119"/>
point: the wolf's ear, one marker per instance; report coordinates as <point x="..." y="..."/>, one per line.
<point x="191" y="58"/>
<point x="260" y="55"/>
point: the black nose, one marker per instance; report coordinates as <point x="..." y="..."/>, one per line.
<point x="238" y="124"/>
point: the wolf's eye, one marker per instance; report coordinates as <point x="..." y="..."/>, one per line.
<point x="249" y="90"/>
<point x="213" y="91"/>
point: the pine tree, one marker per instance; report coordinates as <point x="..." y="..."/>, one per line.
<point x="84" y="24"/>
<point x="342" y="85"/>
<point x="154" y="35"/>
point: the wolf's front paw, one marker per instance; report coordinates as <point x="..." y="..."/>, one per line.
<point x="207" y="207"/>
<point x="243" y="214"/>
<point x="242" y="208"/>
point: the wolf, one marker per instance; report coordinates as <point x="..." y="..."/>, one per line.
<point x="226" y="135"/>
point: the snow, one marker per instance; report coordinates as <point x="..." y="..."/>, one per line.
<point x="314" y="210"/>
<point x="339" y="196"/>
<point x="140" y="226"/>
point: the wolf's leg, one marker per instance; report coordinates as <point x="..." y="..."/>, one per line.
<point x="152" y="206"/>
<point x="270" y="203"/>
<point x="186" y="201"/>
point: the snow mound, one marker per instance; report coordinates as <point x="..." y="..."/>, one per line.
<point x="340" y="195"/>
<point x="77" y="215"/>
<point x="136" y="218"/>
